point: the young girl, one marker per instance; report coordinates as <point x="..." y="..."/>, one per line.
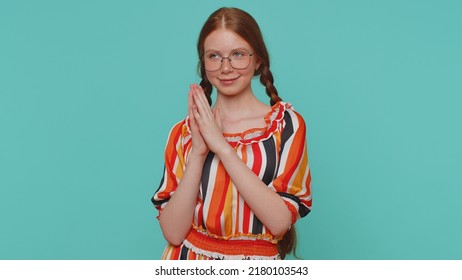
<point x="236" y="175"/>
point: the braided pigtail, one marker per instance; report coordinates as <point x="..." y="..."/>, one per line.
<point x="266" y="78"/>
<point x="207" y="87"/>
<point x="288" y="244"/>
<point x="205" y="84"/>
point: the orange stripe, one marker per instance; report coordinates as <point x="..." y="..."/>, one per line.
<point x="214" y="213"/>
<point x="298" y="181"/>
<point x="228" y="210"/>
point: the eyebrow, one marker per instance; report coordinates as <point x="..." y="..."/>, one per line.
<point x="217" y="51"/>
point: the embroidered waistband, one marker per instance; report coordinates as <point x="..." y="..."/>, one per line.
<point x="201" y="243"/>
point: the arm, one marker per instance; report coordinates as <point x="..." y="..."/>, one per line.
<point x="177" y="215"/>
<point x="176" y="218"/>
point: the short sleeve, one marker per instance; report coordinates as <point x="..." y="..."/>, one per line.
<point x="173" y="166"/>
<point x="293" y="178"/>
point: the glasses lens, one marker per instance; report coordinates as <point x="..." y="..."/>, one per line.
<point x="239" y="59"/>
<point x="212" y="61"/>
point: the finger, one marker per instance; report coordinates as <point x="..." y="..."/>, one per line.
<point x="201" y="101"/>
<point x="197" y="116"/>
<point x="202" y="109"/>
<point x="190" y="104"/>
<point x="198" y="105"/>
<point x="192" y="121"/>
<point x="190" y="98"/>
<point x="199" y="89"/>
<point x="191" y="113"/>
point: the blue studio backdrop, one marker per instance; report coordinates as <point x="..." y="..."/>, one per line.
<point x="90" y="89"/>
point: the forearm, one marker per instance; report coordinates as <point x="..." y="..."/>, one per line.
<point x="176" y="218"/>
<point x="267" y="205"/>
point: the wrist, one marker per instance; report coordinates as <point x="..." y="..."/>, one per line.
<point x="197" y="156"/>
<point x="225" y="151"/>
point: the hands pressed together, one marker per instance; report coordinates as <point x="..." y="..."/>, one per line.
<point x="205" y="124"/>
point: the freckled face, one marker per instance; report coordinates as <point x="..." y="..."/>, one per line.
<point x="227" y="80"/>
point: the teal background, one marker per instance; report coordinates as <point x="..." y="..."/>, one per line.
<point x="90" y="89"/>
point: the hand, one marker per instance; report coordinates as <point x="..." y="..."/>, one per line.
<point x="199" y="146"/>
<point x="208" y="121"/>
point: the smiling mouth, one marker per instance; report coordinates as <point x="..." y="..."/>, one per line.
<point x="229" y="80"/>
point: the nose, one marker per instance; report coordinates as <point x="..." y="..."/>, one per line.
<point x="226" y="65"/>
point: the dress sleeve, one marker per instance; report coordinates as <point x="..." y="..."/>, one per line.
<point x="293" y="178"/>
<point x="173" y="167"/>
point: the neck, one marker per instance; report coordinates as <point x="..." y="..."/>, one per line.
<point x="240" y="104"/>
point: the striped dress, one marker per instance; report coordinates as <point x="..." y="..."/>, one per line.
<point x="224" y="226"/>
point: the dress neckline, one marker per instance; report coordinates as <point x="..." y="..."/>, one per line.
<point x="252" y="135"/>
<point x="267" y="119"/>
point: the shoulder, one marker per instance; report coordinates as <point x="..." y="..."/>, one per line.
<point x="180" y="130"/>
<point x="291" y="117"/>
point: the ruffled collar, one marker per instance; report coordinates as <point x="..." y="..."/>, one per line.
<point x="272" y="119"/>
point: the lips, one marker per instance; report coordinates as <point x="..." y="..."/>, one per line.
<point x="228" y="81"/>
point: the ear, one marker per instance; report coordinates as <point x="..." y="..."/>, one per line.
<point x="257" y="65"/>
<point x="256" y="71"/>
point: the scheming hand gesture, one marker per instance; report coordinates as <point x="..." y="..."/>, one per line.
<point x="207" y="121"/>
<point x="199" y="146"/>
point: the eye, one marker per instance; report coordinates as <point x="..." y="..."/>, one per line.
<point x="213" y="56"/>
<point x="239" y="53"/>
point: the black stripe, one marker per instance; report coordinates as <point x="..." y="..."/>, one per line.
<point x="205" y="179"/>
<point x="288" y="129"/>
<point x="287" y="132"/>
<point x="270" y="153"/>
<point x="303" y="211"/>
<point x="184" y="253"/>
<point x="257" y="226"/>
<point x="155" y="202"/>
<point x="290" y="196"/>
<point x="159" y="202"/>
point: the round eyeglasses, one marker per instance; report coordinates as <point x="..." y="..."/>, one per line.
<point x="238" y="59"/>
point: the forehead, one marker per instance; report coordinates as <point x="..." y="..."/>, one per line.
<point x="224" y="40"/>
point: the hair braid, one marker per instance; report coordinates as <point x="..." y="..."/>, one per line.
<point x="288" y="243"/>
<point x="267" y="80"/>
<point x="205" y="84"/>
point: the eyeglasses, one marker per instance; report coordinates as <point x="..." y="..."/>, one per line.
<point x="238" y="59"/>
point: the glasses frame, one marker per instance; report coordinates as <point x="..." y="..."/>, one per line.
<point x="229" y="60"/>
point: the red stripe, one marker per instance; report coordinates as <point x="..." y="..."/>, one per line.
<point x="257" y="159"/>
<point x="171" y="150"/>
<point x="246" y="221"/>
<point x="175" y="253"/>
